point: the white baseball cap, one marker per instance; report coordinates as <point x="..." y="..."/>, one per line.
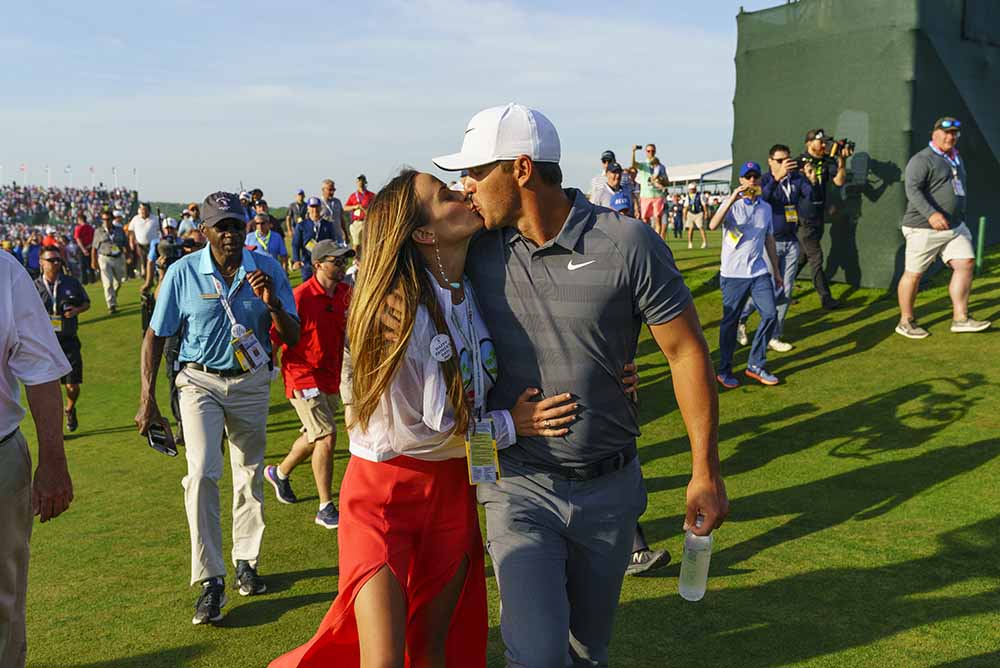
<point x="504" y="133"/>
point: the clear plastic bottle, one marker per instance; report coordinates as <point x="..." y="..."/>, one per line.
<point x="694" y="565"/>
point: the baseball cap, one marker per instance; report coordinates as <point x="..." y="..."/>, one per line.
<point x="170" y="222"/>
<point x="815" y="134"/>
<point x="620" y="201"/>
<point x="748" y="167"/>
<point x="329" y="248"/>
<point x="948" y="123"/>
<point x="244" y="195"/>
<point x="220" y="206"/>
<point x="692" y="186"/>
<point x="362" y="177"/>
<point x="615" y="168"/>
<point x="504" y="133"/>
<point x="300" y="191"/>
<point x="608" y="156"/>
<point x="50" y="230"/>
<point x="314" y="201"/>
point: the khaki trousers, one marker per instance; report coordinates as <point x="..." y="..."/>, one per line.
<point x="15" y="534"/>
<point x="112" y="277"/>
<point x="209" y="403"/>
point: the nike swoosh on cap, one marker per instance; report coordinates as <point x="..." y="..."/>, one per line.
<point x="574" y="267"/>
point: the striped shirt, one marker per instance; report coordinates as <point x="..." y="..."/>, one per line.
<point x="566" y="317"/>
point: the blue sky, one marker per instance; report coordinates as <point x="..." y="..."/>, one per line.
<point x="199" y="95"/>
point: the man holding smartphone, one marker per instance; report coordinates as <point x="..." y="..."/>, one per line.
<point x="221" y="302"/>
<point x="64" y="299"/>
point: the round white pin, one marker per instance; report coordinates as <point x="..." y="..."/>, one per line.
<point x="237" y="330"/>
<point x="441" y="348"/>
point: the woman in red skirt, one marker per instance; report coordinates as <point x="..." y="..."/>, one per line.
<point x="412" y="588"/>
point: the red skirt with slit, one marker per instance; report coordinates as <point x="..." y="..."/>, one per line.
<point x="418" y="518"/>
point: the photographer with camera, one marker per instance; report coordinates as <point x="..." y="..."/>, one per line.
<point x="820" y="166"/>
<point x="653" y="182"/>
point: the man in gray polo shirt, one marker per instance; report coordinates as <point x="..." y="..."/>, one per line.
<point x="570" y="286"/>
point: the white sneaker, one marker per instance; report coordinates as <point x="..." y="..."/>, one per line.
<point x="969" y="325"/>
<point x="704" y="244"/>
<point x="741" y="334"/>
<point x="779" y="346"/>
<point x="690" y="245"/>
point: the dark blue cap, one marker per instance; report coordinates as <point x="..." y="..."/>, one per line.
<point x="748" y="167"/>
<point x="314" y="201"/>
<point x="621" y="201"/>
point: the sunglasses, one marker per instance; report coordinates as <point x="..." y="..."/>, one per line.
<point x="232" y="227"/>
<point x="944" y="125"/>
<point x="53" y="260"/>
<point x="337" y="261"/>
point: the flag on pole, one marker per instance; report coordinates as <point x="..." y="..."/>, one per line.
<point x="114" y="171"/>
<point x="91" y="169"/>
<point x="134" y="171"/>
<point x="67" y="169"/>
<point x="24" y="167"/>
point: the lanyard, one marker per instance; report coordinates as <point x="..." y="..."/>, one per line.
<point x="236" y="329"/>
<point x="952" y="162"/>
<point x="53" y="292"/>
<point x="472" y="344"/>
<point x="786" y="186"/>
<point x="265" y="241"/>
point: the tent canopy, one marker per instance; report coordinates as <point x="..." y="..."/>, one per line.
<point x="716" y="171"/>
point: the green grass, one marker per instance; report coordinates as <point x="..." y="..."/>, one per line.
<point x="865" y="521"/>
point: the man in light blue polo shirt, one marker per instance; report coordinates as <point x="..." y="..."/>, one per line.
<point x="266" y="242"/>
<point x="221" y="302"/>
<point x="748" y="234"/>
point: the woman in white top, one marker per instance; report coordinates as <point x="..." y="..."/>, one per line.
<point x="411" y="580"/>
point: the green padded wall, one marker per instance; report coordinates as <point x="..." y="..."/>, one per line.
<point x="879" y="72"/>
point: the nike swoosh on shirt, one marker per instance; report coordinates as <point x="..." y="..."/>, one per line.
<point x="574" y="267"/>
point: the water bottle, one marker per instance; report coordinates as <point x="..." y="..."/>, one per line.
<point x="694" y="565"/>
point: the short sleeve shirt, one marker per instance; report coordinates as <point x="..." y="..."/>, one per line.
<point x="272" y="245"/>
<point x="111" y="243"/>
<point x="68" y="292"/>
<point x="189" y="306"/>
<point x="146" y="230"/>
<point x="569" y="314"/>
<point x="745" y="228"/>
<point x="644" y="176"/>
<point x="364" y="199"/>
<point x="316" y="360"/>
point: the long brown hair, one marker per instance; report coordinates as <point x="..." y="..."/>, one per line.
<point x="391" y="264"/>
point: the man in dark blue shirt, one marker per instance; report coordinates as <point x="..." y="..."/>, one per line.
<point x="784" y="187"/>
<point x="819" y="169"/>
<point x="307" y="233"/>
<point x="64" y="299"/>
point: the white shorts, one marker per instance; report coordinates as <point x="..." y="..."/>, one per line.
<point x="924" y="245"/>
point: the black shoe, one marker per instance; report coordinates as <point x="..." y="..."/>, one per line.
<point x="831" y="304"/>
<point x="210" y="603"/>
<point x="71" y="421"/>
<point x="247" y="581"/>
<point x="647" y="560"/>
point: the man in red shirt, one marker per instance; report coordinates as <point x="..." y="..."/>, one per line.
<point x="311" y="371"/>
<point x="84" y="235"/>
<point x="357" y="205"/>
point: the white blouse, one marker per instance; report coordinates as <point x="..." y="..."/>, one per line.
<point x="414" y="416"/>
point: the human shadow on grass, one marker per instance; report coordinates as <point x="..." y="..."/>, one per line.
<point x="859" y="495"/>
<point x="261" y="610"/>
<point x="95" y="432"/>
<point x="167" y="658"/>
<point x="793" y="619"/>
<point x="279" y="582"/>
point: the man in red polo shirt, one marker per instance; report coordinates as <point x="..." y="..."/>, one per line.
<point x="311" y="371"/>
<point x="84" y="235"/>
<point x="357" y="205"/>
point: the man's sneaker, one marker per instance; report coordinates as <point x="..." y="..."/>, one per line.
<point x="741" y="334"/>
<point x="210" y="602"/>
<point x="71" y="421"/>
<point x="282" y="488"/>
<point x="690" y="245"/>
<point x="830" y="304"/>
<point x="779" y="346"/>
<point x="328" y="518"/>
<point x="967" y="325"/>
<point x="761" y="375"/>
<point x="704" y="244"/>
<point x="911" y="330"/>
<point x="647" y="560"/>
<point x="727" y="380"/>
<point x="247" y="580"/>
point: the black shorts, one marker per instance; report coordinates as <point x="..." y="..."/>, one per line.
<point x="71" y="348"/>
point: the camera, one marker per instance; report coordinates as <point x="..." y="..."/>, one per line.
<point x="841" y="147"/>
<point x="638" y="147"/>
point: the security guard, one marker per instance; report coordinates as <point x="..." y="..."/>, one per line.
<point x="308" y="233"/>
<point x="221" y="301"/>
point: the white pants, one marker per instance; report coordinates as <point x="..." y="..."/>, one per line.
<point x="112" y="277"/>
<point x="209" y="403"/>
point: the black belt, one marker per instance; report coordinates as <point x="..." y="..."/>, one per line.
<point x="3" y="441"/>
<point x="615" y="462"/>
<point x="224" y="373"/>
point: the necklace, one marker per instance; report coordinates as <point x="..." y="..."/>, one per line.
<point x="444" y="277"/>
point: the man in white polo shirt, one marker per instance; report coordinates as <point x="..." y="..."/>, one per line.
<point x="31" y="356"/>
<point x="144" y="230"/>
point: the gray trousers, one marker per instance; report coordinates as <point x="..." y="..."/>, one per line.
<point x="559" y="551"/>
<point x="15" y="535"/>
<point x="209" y="403"/>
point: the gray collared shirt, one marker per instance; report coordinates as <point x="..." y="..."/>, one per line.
<point x="111" y="243"/>
<point x="566" y="317"/>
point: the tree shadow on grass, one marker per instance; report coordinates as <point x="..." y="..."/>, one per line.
<point x="791" y="620"/>
<point x="168" y="658"/>
<point x="989" y="660"/>
<point x="860" y="495"/>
